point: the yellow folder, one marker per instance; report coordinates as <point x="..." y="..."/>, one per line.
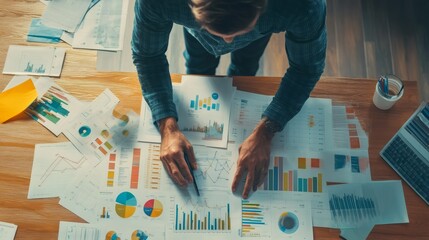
<point x="15" y="100"/>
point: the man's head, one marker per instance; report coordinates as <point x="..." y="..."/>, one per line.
<point x="227" y="18"/>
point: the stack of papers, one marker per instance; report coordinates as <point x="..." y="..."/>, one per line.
<point x="89" y="24"/>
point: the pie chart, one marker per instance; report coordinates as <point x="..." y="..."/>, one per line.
<point x="153" y="208"/>
<point x="288" y="222"/>
<point x="139" y="235"/>
<point x="111" y="235"/>
<point x="84" y="131"/>
<point x="126" y="204"/>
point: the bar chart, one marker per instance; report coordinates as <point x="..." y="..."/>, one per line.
<point x="218" y="220"/>
<point x="123" y="168"/>
<point x="276" y="217"/>
<point x="153" y="167"/>
<point x="253" y="221"/>
<point x="212" y="212"/>
<point x="208" y="103"/>
<point x="350" y="208"/>
<point x="302" y="179"/>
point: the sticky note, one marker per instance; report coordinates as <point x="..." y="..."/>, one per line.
<point x="15" y="100"/>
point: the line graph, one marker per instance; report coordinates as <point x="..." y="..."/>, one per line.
<point x="61" y="165"/>
<point x="214" y="168"/>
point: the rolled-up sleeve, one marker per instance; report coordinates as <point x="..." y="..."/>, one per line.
<point x="306" y="51"/>
<point x="149" y="44"/>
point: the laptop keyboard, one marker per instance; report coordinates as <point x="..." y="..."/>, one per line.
<point x="409" y="164"/>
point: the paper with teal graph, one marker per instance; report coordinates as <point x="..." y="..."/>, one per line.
<point x="41" y="33"/>
<point x="99" y="130"/>
<point x="204" y="109"/>
<point x="34" y="60"/>
<point x="359" y="204"/>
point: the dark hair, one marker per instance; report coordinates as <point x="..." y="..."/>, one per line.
<point x="226" y="16"/>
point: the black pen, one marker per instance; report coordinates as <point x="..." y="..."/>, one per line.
<point x="191" y="169"/>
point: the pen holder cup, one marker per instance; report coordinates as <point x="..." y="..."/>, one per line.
<point x="388" y="90"/>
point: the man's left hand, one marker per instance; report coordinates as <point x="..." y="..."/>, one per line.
<point x="254" y="158"/>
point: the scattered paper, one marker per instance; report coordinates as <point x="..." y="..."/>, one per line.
<point x="34" y="60"/>
<point x="274" y="216"/>
<point x="99" y="130"/>
<point x="55" y="166"/>
<point x="16" y="100"/>
<point x="360" y="233"/>
<point x="7" y="231"/>
<point x="87" y="231"/>
<point x="41" y="33"/>
<point x="103" y="27"/>
<point x="204" y="109"/>
<point x="65" y="14"/>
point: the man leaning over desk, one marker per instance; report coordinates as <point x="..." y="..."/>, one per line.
<point x="216" y="27"/>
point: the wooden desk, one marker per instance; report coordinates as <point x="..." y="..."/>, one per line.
<point x="38" y="219"/>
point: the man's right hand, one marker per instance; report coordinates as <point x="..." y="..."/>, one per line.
<point x="173" y="147"/>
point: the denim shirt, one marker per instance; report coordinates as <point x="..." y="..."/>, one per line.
<point x="302" y="20"/>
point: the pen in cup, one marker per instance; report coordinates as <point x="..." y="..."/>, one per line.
<point x="191" y="169"/>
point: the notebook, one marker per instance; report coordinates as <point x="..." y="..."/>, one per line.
<point x="408" y="152"/>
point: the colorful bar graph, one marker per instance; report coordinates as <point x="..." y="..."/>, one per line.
<point x="252" y="217"/>
<point x="205" y="103"/>
<point x="111" y="170"/>
<point x="153" y="167"/>
<point x="191" y="220"/>
<point x="135" y="169"/>
<point x="281" y="180"/>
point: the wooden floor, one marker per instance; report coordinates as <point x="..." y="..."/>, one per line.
<point x="366" y="38"/>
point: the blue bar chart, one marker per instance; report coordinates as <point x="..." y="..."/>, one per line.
<point x="352" y="208"/>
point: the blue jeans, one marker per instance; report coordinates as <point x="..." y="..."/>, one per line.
<point x="244" y="61"/>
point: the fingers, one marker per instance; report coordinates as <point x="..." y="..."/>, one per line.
<point x="237" y="178"/>
<point x="174" y="173"/>
<point x="189" y="151"/>
<point x="261" y="175"/>
<point x="249" y="183"/>
<point x="177" y="168"/>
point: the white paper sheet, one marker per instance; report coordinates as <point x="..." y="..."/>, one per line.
<point x="7" y="231"/>
<point x="204" y="109"/>
<point x="55" y="166"/>
<point x="347" y="166"/>
<point x="216" y="167"/>
<point x="246" y="112"/>
<point x="360" y="233"/>
<point x="32" y="60"/>
<point x="103" y="27"/>
<point x="55" y="109"/>
<point x="359" y="204"/>
<point x="99" y="130"/>
<point x="65" y="14"/>
<point x="311" y="128"/>
<point x="87" y="231"/>
<point x="147" y="130"/>
<point x="213" y="215"/>
<point x="276" y="217"/>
